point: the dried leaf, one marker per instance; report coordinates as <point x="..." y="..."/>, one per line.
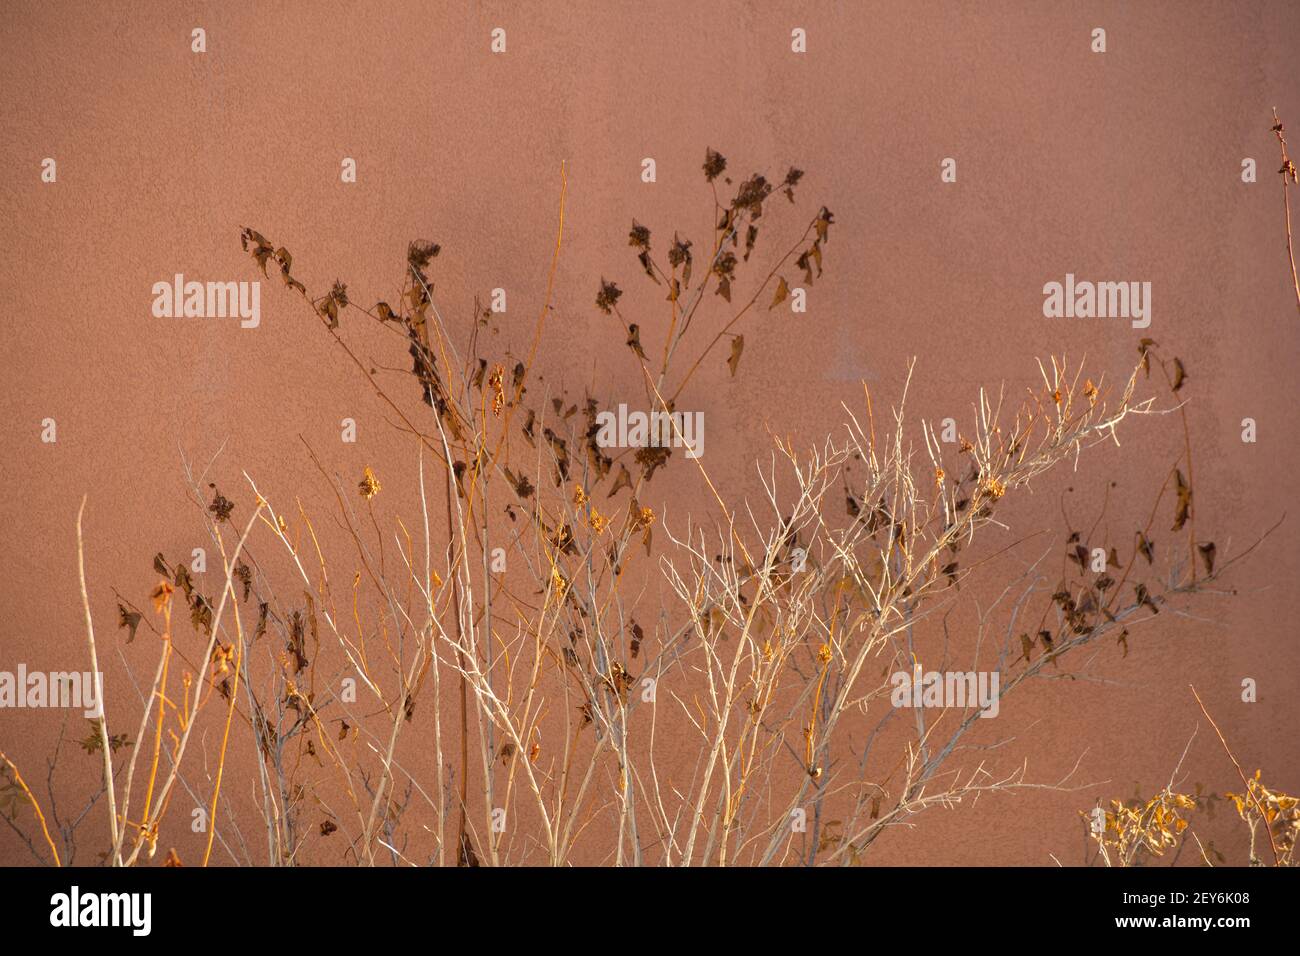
<point x="328" y="308"/>
<point x="245" y="577"/>
<point x="1183" y="509"/>
<point x="782" y="291"/>
<point x="623" y="480"/>
<point x="634" y="340"/>
<point x="1144" y="347"/>
<point x="1144" y="598"/>
<point x="737" y="347"/>
<point x="825" y="218"/>
<point x="1207" y="555"/>
<point x="128" y="619"/>
<point x="1026" y="646"/>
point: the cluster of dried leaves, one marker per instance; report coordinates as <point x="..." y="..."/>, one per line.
<point x="1154" y="826"/>
<point x="1132" y="831"/>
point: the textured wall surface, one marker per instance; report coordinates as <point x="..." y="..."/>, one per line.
<point x="1122" y="165"/>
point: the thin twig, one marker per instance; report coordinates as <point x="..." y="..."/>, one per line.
<point x="1249" y="793"/>
<point x="1288" y="171"/>
<point x="99" y="690"/>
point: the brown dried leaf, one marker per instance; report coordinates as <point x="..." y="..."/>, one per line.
<point x="128" y="619"/>
<point x="737" y="347"/>
<point x="782" y="291"/>
<point x="1208" y="551"/>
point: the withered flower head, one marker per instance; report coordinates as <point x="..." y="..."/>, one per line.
<point x="714" y="164"/>
<point x="559" y="584"/>
<point x="751" y="194"/>
<point x="726" y="265"/>
<point x="369" y="484"/>
<point x="221" y="506"/>
<point x="651" y="458"/>
<point x="496" y="383"/>
<point x="608" y="297"/>
<point x="420" y="253"/>
<point x="639" y="236"/>
<point x="995" y="488"/>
